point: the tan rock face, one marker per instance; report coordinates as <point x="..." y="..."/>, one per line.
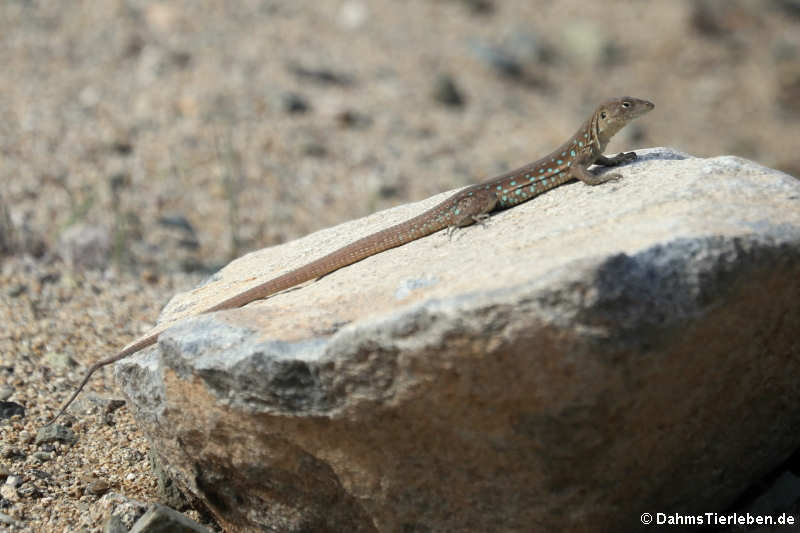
<point x="593" y="354"/>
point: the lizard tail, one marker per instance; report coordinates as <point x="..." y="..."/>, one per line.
<point x="128" y="350"/>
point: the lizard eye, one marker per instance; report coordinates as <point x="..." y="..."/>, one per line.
<point x="626" y="104"/>
<point x="602" y="114"/>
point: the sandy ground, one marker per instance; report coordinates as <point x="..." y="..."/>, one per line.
<point x="144" y="144"/>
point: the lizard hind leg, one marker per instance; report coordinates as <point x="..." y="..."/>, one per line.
<point x="473" y="207"/>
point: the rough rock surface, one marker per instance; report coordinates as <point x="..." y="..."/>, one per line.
<point x="593" y="354"/>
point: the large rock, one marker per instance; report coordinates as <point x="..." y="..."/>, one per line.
<point x="591" y="355"/>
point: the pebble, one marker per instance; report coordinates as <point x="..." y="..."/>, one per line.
<point x="25" y="437"/>
<point x="9" y="452"/>
<point x="9" y="520"/>
<point x="315" y="149"/>
<point x="790" y="7"/>
<point x="9" y="493"/>
<point x="497" y="58"/>
<point x="480" y="7"/>
<point x="588" y="44"/>
<point x="114" y="525"/>
<point x="17" y="290"/>
<point x="9" y="409"/>
<point x="86" y="247"/>
<point x="353" y="14"/>
<point x="59" y="360"/>
<point x="179" y="221"/>
<point x="42" y="457"/>
<point x="788" y="88"/>
<point x="55" y="432"/>
<point x="98" y="487"/>
<point x="294" y="103"/>
<point x="29" y="490"/>
<point x="6" y="392"/>
<point x="323" y="76"/>
<point x="446" y="92"/>
<point x="350" y="118"/>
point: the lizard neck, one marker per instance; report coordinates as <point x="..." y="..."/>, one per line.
<point x="602" y="135"/>
<point x="599" y="139"/>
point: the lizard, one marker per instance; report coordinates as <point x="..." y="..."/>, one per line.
<point x="469" y="205"/>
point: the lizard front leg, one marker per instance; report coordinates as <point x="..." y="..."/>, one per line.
<point x="588" y="178"/>
<point x="622" y="157"/>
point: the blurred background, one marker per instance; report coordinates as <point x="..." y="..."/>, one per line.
<point x="180" y="134"/>
<point x="144" y="144"/>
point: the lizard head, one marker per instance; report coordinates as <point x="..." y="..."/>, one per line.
<point x="613" y="115"/>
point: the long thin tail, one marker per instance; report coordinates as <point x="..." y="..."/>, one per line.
<point x="410" y="230"/>
<point x="128" y="350"/>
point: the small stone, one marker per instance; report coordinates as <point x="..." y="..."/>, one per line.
<point x="40" y="474"/>
<point x="790" y="7"/>
<point x="588" y="44"/>
<point x="150" y="276"/>
<point x="25" y="437"/>
<point x="127" y="510"/>
<point x="29" y="490"/>
<point x="722" y="19"/>
<point x="352" y="14"/>
<point x="13" y="481"/>
<point x="9" y="493"/>
<point x="350" y="118"/>
<point x="17" y="290"/>
<point x="42" y="457"/>
<point x="122" y="147"/>
<point x="177" y="220"/>
<point x="447" y="92"/>
<point x="9" y="452"/>
<point x="48" y="278"/>
<point x="294" y="103"/>
<point x="788" y="88"/>
<point x="98" y="487"/>
<point x="59" y="360"/>
<point x="9" y="520"/>
<point x="86" y="247"/>
<point x="187" y="105"/>
<point x="181" y="58"/>
<point x="5" y="392"/>
<point x="4" y="471"/>
<point x="498" y="59"/>
<point x="315" y="149"/>
<point x="323" y="76"/>
<point x="134" y="456"/>
<point x="113" y="405"/>
<point x="114" y="525"/>
<point x="162" y="518"/>
<point x="8" y="238"/>
<point x="9" y="409"/>
<point x="55" y="432"/>
<point x="480" y="7"/>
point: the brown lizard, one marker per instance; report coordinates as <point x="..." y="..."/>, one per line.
<point x="472" y="204"/>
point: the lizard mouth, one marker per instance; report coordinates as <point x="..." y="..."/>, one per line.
<point x="642" y="107"/>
